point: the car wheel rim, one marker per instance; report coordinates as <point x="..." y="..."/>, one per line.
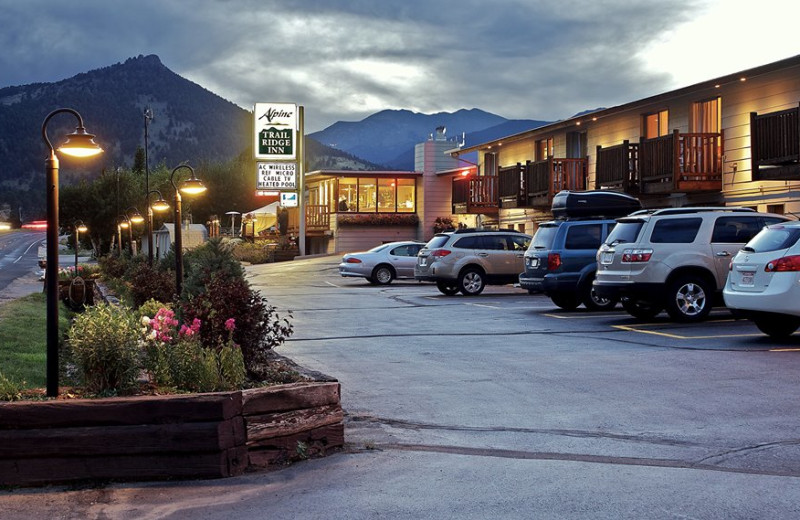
<point x="472" y="282"/>
<point x="691" y="299"/>
<point x="383" y="276"/>
<point x="598" y="300"/>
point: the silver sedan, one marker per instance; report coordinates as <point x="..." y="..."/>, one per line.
<point x="382" y="264"/>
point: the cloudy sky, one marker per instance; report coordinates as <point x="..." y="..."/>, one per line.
<point x="344" y="60"/>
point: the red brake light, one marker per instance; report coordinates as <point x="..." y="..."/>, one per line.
<point x="636" y="255"/>
<point x="553" y="261"/>
<point x="353" y="261"/>
<point x="440" y="252"/>
<point x="785" y="264"/>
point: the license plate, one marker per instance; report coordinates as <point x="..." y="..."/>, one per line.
<point x="747" y="277"/>
<point x="607" y="258"/>
<point x="533" y="262"/>
<point x="423" y="262"/>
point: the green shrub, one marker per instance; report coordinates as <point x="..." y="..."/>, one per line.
<point x="211" y="259"/>
<point x="113" y="266"/>
<point x="9" y="390"/>
<point x="150" y="283"/>
<point x="104" y="344"/>
<point x="254" y="253"/>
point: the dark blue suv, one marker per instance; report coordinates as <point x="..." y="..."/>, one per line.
<point x="560" y="262"/>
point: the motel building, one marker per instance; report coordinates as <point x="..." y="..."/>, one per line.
<point x="728" y="141"/>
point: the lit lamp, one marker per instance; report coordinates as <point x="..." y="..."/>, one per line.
<point x="122" y="223"/>
<point x="78" y="144"/>
<point x="160" y="205"/>
<point x="134" y="217"/>
<point x="191" y="186"/>
<point x="80" y="227"/>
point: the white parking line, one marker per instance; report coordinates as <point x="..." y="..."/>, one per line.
<point x="332" y="284"/>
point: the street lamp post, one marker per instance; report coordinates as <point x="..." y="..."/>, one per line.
<point x="159" y="205"/>
<point x="122" y="223"/>
<point x="191" y="186"/>
<point x="78" y="144"/>
<point x="134" y="217"/>
<point x="148" y="116"/>
<point x="80" y="227"/>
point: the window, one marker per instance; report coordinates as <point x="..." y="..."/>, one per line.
<point x="490" y="163"/>
<point x="675" y="231"/>
<point x="369" y="194"/>
<point x="625" y="231"/>
<point x="406" y="196"/>
<point x="519" y="243"/>
<point x="467" y="243"/>
<point x="778" y="209"/>
<point x="493" y="243"/>
<point x="656" y="124"/>
<point x="706" y="116"/>
<point x="544" y="149"/>
<point x="348" y="194"/>
<point x="584" y="236"/>
<point x="735" y="230"/>
<point x="406" y="250"/>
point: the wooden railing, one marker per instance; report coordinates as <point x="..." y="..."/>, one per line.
<point x="475" y="194"/>
<point x="618" y="167"/>
<point x="682" y="162"/>
<point x="511" y="182"/>
<point x="318" y="217"/>
<point x="543" y="179"/>
<point x="775" y="145"/>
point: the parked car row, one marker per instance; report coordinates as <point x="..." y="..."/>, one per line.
<point x="674" y="259"/>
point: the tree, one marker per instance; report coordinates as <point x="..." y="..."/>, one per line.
<point x="138" y="161"/>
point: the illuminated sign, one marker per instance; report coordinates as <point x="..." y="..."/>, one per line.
<point x="276" y="176"/>
<point x="276" y="127"/>
<point x="289" y="199"/>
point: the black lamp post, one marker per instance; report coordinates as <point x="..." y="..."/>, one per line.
<point x="191" y="186"/>
<point x="80" y="227"/>
<point x="123" y="222"/>
<point x="159" y="205"/>
<point x="78" y="144"/>
<point x="148" y="116"/>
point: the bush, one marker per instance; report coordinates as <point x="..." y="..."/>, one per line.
<point x="150" y="283"/>
<point x="211" y="259"/>
<point x="258" y="326"/>
<point x="104" y="345"/>
<point x="113" y="266"/>
<point x="9" y="390"/>
<point x="254" y="253"/>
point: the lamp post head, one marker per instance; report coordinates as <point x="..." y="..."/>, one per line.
<point x="80" y="144"/>
<point x="80" y="227"/>
<point x="191" y="186"/>
<point x="135" y="217"/>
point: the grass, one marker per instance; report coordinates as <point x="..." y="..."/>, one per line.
<point x="23" y="339"/>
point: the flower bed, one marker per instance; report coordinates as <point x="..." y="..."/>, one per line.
<point x="161" y="437"/>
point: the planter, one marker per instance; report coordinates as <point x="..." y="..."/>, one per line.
<point x="161" y="437"/>
<point x="76" y="292"/>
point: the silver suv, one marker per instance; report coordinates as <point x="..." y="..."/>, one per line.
<point x="467" y="260"/>
<point x="676" y="258"/>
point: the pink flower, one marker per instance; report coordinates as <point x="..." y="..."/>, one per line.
<point x="230" y="324"/>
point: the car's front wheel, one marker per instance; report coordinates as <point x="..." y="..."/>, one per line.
<point x="383" y="275"/>
<point x="471" y="282"/>
<point x="779" y="326"/>
<point x="689" y="299"/>
<point x="446" y="288"/>
<point x="641" y="310"/>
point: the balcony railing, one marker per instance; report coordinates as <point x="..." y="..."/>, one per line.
<point x="543" y="179"/>
<point x="475" y="195"/>
<point x="681" y="162"/>
<point x="511" y="182"/>
<point x="318" y="218"/>
<point x="775" y="145"/>
<point x="618" y="167"/>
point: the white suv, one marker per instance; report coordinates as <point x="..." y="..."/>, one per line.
<point x="675" y="259"/>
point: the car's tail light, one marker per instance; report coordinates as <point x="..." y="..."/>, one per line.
<point x="636" y="255"/>
<point x="353" y="261"/>
<point x="440" y="252"/>
<point x="553" y="261"/>
<point x="785" y="264"/>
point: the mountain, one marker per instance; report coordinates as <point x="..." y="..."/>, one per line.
<point x="405" y="161"/>
<point x="190" y="123"/>
<point x="381" y="137"/>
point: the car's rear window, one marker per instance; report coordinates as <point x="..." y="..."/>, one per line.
<point x="625" y="231"/>
<point x="774" y="238"/>
<point x="584" y="236"/>
<point x="675" y="230"/>
<point x="437" y="241"/>
<point x="544" y="236"/>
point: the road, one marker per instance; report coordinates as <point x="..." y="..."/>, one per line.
<point x="19" y="269"/>
<point x="502" y="406"/>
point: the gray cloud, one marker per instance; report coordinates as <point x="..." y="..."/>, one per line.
<point x="345" y="60"/>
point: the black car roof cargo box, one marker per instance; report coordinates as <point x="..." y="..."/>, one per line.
<point x="598" y="203"/>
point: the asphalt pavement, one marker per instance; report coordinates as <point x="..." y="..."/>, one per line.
<point x="503" y="406"/>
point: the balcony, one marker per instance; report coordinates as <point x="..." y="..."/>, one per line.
<point x="533" y="184"/>
<point x="618" y="168"/>
<point x="775" y="145"/>
<point x="475" y="195"/>
<point x="690" y="162"/>
<point x="318" y="219"/>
